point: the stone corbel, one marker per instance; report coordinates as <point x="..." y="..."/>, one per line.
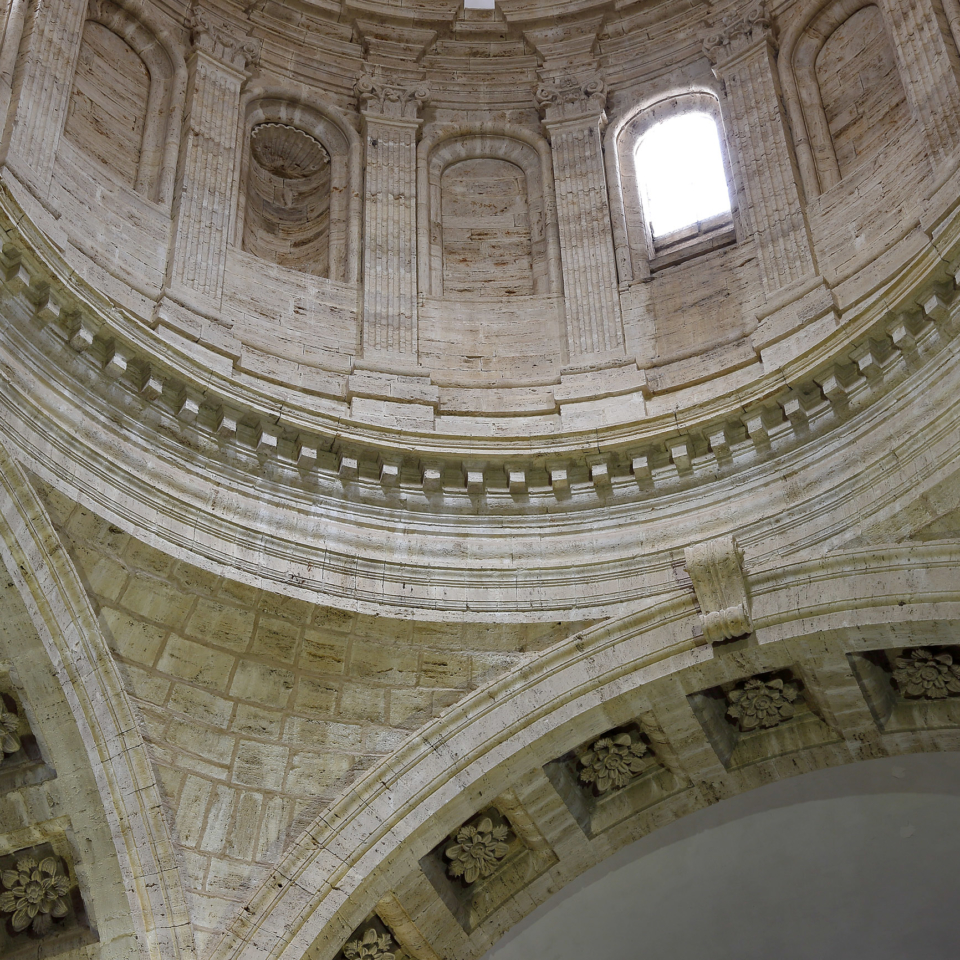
<point x="568" y="97"/>
<point x="738" y="32"/>
<point x="716" y="569"/>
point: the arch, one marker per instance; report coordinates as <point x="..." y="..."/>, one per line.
<point x="800" y="48"/>
<point x="326" y="125"/>
<point x="635" y="248"/>
<point x="162" y="112"/>
<point x="378" y="833"/>
<point x="104" y="717"/>
<point x="445" y="147"/>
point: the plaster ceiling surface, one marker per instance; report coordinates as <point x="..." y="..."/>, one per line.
<point x="846" y="862"/>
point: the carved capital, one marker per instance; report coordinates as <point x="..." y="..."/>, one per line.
<point x="378" y="96"/>
<point x="715" y="567"/>
<point x="215" y="39"/>
<point x="570" y="97"/>
<point x="737" y="32"/>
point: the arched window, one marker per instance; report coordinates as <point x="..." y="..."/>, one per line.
<point x="675" y="185"/>
<point x="682" y="183"/>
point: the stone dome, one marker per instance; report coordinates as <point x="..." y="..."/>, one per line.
<point x="398" y="519"/>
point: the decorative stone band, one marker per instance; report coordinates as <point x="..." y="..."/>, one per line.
<point x="715" y="567"/>
<point x="640" y="461"/>
<point x="738" y="32"/>
<point x="403" y="101"/>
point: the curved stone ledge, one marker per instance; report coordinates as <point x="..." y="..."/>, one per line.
<point x="183" y="451"/>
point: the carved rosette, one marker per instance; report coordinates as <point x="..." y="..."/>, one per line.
<point x="612" y="762"/>
<point x="9" y="736"/>
<point x="239" y="52"/>
<point x="478" y="850"/>
<point x="738" y="32"/>
<point x="35" y="894"/>
<point x="762" y="704"/>
<point x="569" y="97"/>
<point x="371" y="946"/>
<point x="377" y="96"/>
<point x="927" y="673"/>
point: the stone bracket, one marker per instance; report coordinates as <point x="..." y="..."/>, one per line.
<point x="716" y="569"/>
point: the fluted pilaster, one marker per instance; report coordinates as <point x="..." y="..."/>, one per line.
<point x="208" y="159"/>
<point x="928" y="63"/>
<point x="743" y="53"/>
<point x="55" y="30"/>
<point x="391" y="127"/>
<point x="574" y="118"/>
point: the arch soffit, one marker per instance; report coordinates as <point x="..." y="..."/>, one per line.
<point x="339" y="868"/>
<point x="84" y="665"/>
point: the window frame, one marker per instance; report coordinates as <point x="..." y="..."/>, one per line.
<point x="648" y="255"/>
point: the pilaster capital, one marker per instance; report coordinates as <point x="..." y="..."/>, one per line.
<point x="397" y="100"/>
<point x="216" y="39"/>
<point x="738" y="33"/>
<point x="569" y="97"/>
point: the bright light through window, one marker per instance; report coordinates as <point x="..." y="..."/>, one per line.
<point x="681" y="173"/>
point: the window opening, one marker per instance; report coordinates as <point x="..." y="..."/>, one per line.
<point x="682" y="181"/>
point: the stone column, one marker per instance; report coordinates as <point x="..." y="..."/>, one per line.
<point x="743" y="53"/>
<point x="55" y="31"/>
<point x="928" y="63"/>
<point x="206" y="199"/>
<point x="574" y="118"/>
<point x="390" y="127"/>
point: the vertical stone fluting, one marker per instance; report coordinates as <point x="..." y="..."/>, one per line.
<point x="574" y="118"/>
<point x="743" y="55"/>
<point x="928" y="65"/>
<point x="391" y="126"/>
<point x="55" y="30"/>
<point x="209" y="163"/>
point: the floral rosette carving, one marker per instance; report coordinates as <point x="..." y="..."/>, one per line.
<point x="34" y="893"/>
<point x="762" y="703"/>
<point x="612" y="762"/>
<point x="372" y="946"/>
<point x="477" y="851"/>
<point x="927" y="673"/>
<point x="9" y="738"/>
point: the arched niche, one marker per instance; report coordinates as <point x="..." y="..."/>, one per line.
<point x="511" y="163"/>
<point x="300" y="187"/>
<point x="842" y="90"/>
<point x="860" y="89"/>
<point x="127" y="99"/>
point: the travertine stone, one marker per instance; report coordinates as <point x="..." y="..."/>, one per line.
<point x="743" y="51"/>
<point x="574" y="117"/>
<point x="390" y="127"/>
<point x="207" y="178"/>
<point x="716" y="568"/>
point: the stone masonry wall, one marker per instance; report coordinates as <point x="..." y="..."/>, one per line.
<point x="259" y="710"/>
